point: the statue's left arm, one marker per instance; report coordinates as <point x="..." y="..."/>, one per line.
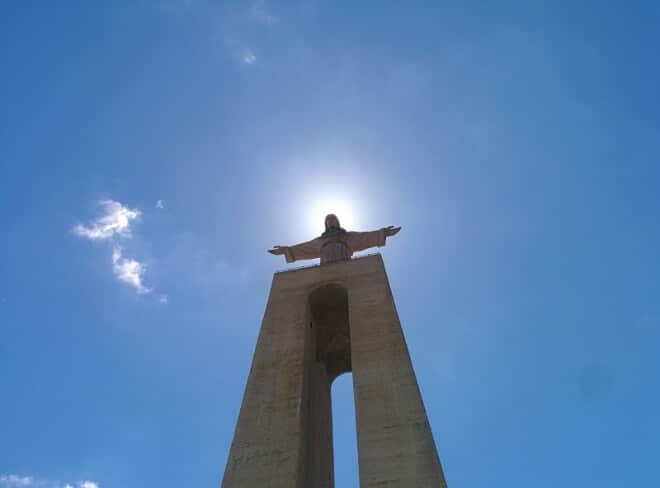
<point x="359" y="241"/>
<point x="306" y="250"/>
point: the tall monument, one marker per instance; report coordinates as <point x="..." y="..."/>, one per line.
<point x="320" y="322"/>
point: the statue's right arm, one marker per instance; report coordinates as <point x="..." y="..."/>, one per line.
<point x="278" y="250"/>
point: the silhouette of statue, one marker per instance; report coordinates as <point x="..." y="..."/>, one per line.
<point x="335" y="244"/>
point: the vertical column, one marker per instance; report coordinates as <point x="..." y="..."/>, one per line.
<point x="268" y="445"/>
<point x="317" y="414"/>
<point x="319" y="466"/>
<point x="395" y="443"/>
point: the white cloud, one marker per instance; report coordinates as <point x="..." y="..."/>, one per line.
<point x="114" y="225"/>
<point x="17" y="481"/>
<point x="164" y="299"/>
<point x="12" y="480"/>
<point x="115" y="220"/>
<point x="248" y="56"/>
<point x="129" y="271"/>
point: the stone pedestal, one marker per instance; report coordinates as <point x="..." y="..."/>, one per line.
<point x="320" y="322"/>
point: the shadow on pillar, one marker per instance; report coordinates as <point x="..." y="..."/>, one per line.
<point x="327" y="355"/>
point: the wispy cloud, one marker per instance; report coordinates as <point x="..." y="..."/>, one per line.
<point x="160" y="204"/>
<point x="89" y="484"/>
<point x="18" y="481"/>
<point x="114" y="226"/>
<point x="128" y="271"/>
<point x="248" y="56"/>
<point x="259" y="11"/>
<point x="13" y="480"/>
<point x="241" y="31"/>
<point x="115" y="221"/>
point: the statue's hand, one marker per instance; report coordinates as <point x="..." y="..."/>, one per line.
<point x="391" y="230"/>
<point x="278" y="250"/>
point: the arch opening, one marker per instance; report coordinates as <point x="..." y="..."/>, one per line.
<point x="344" y="432"/>
<point x="329" y="314"/>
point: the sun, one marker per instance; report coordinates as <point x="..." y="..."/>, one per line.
<point x="335" y="204"/>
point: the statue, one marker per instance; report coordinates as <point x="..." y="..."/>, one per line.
<point x="335" y="244"/>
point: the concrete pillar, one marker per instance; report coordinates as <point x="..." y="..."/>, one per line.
<point x="267" y="450"/>
<point x="320" y="322"/>
<point x="395" y="443"/>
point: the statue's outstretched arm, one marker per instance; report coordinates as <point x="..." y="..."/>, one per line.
<point x="390" y="230"/>
<point x="359" y="241"/>
<point x="306" y="250"/>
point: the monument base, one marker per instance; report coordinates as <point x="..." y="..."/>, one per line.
<point x="320" y="322"/>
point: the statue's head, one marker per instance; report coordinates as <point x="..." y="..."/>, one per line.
<point x="331" y="222"/>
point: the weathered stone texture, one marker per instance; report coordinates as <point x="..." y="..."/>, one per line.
<point x="283" y="437"/>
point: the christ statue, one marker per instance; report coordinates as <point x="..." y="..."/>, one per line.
<point x="335" y="244"/>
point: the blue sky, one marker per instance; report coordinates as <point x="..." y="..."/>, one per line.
<point x="516" y="143"/>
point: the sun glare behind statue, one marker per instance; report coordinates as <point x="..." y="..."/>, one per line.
<point x="327" y="205"/>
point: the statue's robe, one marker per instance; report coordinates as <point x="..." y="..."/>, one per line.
<point x="338" y="246"/>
